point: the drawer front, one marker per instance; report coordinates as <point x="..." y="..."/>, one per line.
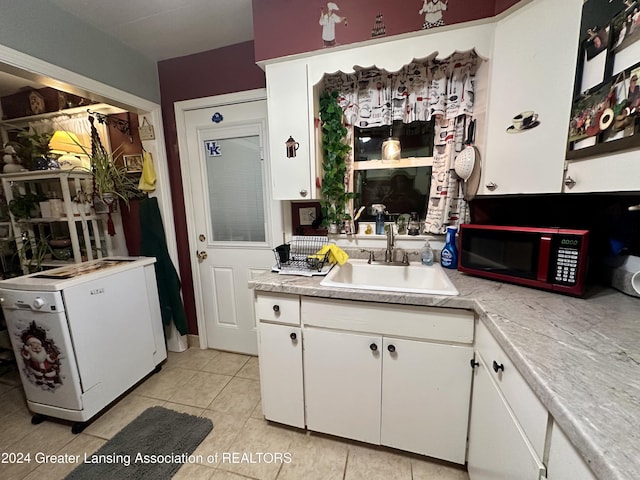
<point x="410" y="321"/>
<point x="278" y="307"/>
<point x="529" y="411"/>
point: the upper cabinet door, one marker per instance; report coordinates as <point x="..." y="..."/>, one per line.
<point x="290" y="121"/>
<point x="533" y="68"/>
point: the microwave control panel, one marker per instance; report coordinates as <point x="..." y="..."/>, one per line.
<point x="567" y="260"/>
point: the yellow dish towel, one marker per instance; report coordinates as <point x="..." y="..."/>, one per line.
<point x="336" y="254"/>
<point x="148" y="178"/>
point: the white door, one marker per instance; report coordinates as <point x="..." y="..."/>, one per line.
<point x="229" y="216"/>
<point x="498" y="449"/>
<point x="342" y="376"/>
<point x="281" y="373"/>
<point x="426" y="389"/>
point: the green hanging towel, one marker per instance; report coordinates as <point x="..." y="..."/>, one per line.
<point x="154" y="244"/>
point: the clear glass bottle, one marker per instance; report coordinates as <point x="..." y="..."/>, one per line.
<point x="426" y="254"/>
<point x="449" y="254"/>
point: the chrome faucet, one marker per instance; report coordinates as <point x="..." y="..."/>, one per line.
<point x="388" y="253"/>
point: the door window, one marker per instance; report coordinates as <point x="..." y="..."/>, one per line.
<point x="236" y="199"/>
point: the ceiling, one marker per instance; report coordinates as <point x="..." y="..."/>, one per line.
<point x="158" y="29"/>
<point x="162" y="29"/>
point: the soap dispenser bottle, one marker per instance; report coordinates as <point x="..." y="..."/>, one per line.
<point x="449" y="254"/>
<point x="380" y="222"/>
<point x="426" y="254"/>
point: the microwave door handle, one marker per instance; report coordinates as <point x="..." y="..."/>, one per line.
<point x="543" y="258"/>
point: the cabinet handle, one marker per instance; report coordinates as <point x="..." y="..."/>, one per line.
<point x="293" y="336"/>
<point x="276" y="308"/>
<point x="497" y="366"/>
<point x="491" y="186"/>
<point x="391" y="348"/>
<point x="569" y="182"/>
<point x="303" y="192"/>
<point x="373" y="347"/>
<point x="473" y="363"/>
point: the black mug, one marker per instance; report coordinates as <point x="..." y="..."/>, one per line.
<point x="283" y="252"/>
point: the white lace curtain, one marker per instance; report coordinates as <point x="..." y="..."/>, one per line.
<point x="425" y="89"/>
<point x="78" y="124"/>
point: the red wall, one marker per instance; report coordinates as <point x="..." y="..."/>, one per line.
<point x="215" y="72"/>
<point x="286" y="27"/>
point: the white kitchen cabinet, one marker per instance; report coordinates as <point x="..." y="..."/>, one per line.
<point x="288" y="109"/>
<point x="617" y="172"/>
<point x="508" y="425"/>
<point x="498" y="448"/>
<point x="564" y="461"/>
<point x="425" y="397"/>
<point x="532" y="68"/>
<point x="280" y="357"/>
<point x="365" y="383"/>
<point x="342" y="378"/>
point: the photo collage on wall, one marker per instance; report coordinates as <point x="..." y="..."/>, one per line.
<point x="605" y="114"/>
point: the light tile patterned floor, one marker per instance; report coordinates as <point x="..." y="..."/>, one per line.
<point x="224" y="387"/>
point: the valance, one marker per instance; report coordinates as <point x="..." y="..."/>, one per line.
<point x="423" y="89"/>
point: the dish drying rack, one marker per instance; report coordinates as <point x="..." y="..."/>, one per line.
<point x="301" y="258"/>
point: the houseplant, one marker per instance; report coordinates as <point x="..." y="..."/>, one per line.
<point x="24" y="206"/>
<point x="334" y="149"/>
<point x="33" y="148"/>
<point x="110" y="177"/>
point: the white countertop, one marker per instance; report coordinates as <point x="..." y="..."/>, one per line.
<point x="580" y="356"/>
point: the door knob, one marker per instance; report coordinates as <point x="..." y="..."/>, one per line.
<point x="391" y="348"/>
<point x="293" y="336"/>
<point x="373" y="347"/>
<point x="202" y="255"/>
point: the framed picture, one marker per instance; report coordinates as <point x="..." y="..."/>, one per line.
<point x="5" y="230"/>
<point x="626" y="27"/>
<point x="133" y="163"/>
<point x="306" y="219"/>
<point x="605" y="114"/>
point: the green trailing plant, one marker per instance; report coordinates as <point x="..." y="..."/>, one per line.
<point x="22" y="205"/>
<point x="111" y="177"/>
<point x="33" y="252"/>
<point x="334" y="149"/>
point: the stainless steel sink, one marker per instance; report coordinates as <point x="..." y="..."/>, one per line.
<point x="412" y="278"/>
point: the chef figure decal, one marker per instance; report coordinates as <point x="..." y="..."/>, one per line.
<point x="328" y="20"/>
<point x="432" y="10"/>
<point x="41" y="358"/>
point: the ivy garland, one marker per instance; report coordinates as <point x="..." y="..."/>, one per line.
<point x="335" y="150"/>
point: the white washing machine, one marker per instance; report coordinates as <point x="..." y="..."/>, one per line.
<point x="84" y="334"/>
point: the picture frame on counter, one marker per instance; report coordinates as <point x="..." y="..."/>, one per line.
<point x="605" y="112"/>
<point x="306" y="219"/>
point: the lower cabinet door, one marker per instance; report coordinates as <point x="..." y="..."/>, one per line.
<point x="342" y="374"/>
<point x="280" y="357"/>
<point x="564" y="460"/>
<point x="426" y="390"/>
<point x="498" y="449"/>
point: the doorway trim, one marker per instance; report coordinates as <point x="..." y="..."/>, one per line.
<point x="180" y="109"/>
<point x="19" y="63"/>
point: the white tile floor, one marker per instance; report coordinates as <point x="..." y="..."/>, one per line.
<point x="224" y="387"/>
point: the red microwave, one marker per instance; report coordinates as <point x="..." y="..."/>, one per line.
<point x="547" y="258"/>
